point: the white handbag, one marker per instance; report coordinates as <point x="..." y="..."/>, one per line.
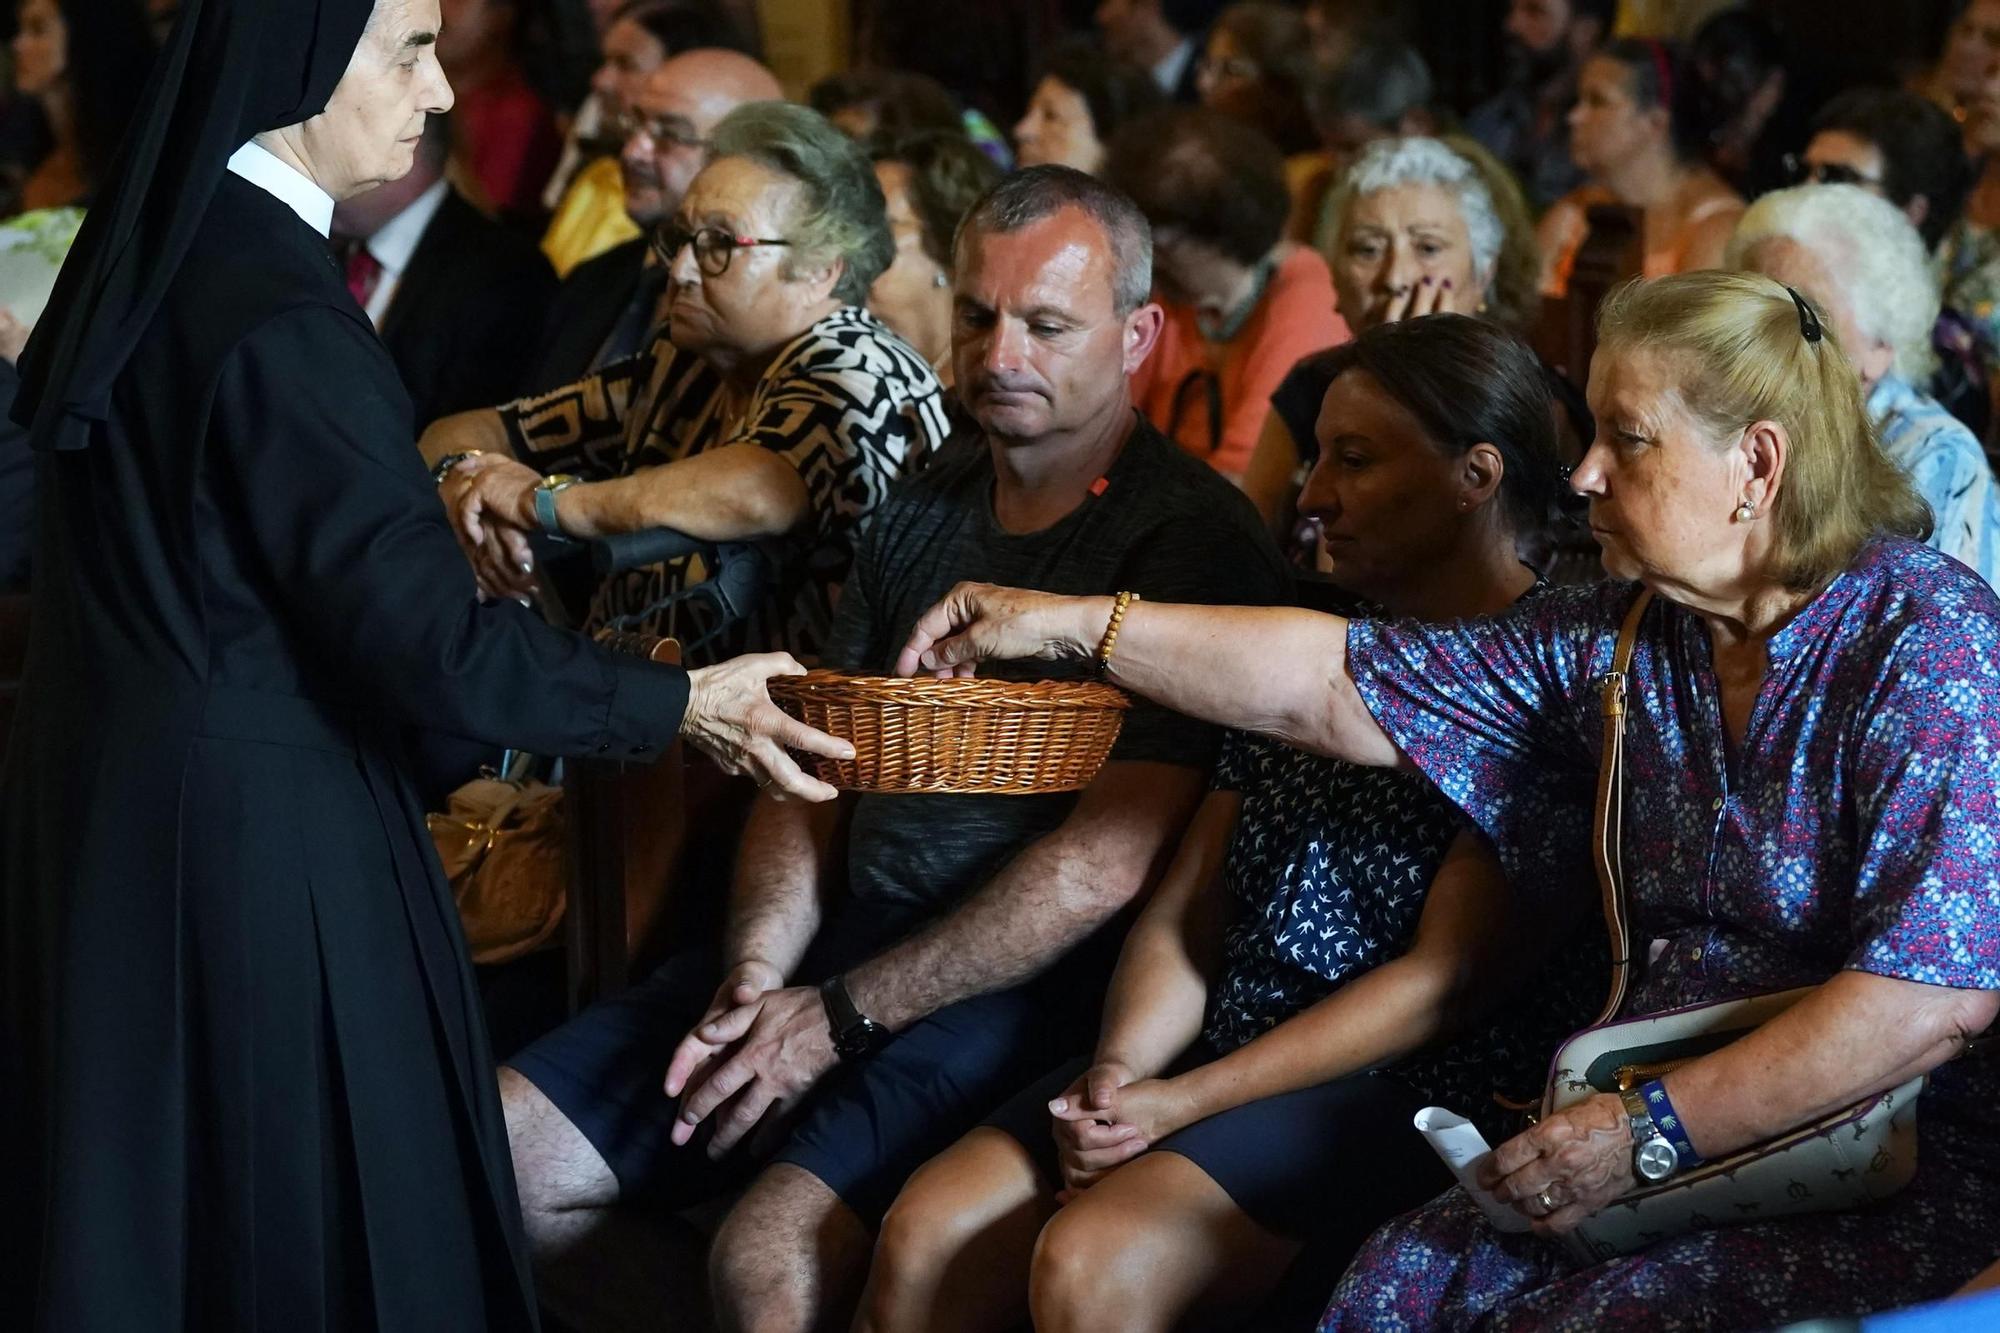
<point x="1856" y="1155"/>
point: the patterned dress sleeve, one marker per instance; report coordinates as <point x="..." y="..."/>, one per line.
<point x="1501" y="715"/>
<point x="580" y="428"/>
<point x="1927" y="783"/>
<point x="854" y="410"/>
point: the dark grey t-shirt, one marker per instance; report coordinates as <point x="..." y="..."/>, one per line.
<point x="1165" y="526"/>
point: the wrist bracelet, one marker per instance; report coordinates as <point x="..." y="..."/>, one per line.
<point x="449" y="461"/>
<point x="1668" y="1122"/>
<point x="1119" y="606"/>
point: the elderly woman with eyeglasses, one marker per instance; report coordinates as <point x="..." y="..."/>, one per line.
<point x="1812" y="800"/>
<point x="770" y="404"/>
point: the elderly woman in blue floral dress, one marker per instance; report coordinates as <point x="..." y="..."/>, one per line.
<point x="1813" y="765"/>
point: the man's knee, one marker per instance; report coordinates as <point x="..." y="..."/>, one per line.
<point x="787" y="1251"/>
<point x="556" y="1169"/>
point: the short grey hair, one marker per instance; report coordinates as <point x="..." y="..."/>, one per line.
<point x="1029" y="196"/>
<point x="1870" y="248"/>
<point x="841" y="217"/>
<point x="1416" y="160"/>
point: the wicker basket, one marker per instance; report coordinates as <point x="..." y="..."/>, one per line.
<point x="964" y="736"/>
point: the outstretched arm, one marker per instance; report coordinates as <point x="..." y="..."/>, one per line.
<point x="1277" y="671"/>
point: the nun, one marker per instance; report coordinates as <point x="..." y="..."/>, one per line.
<point x="244" y="1082"/>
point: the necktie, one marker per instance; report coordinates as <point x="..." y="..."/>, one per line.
<point x="363" y="272"/>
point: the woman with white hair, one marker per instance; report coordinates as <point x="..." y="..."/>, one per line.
<point x="1861" y="259"/>
<point x="1416" y="226"/>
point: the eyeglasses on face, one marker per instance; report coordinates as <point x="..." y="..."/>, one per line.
<point x="665" y="132"/>
<point x="1801" y="172"/>
<point x="713" y="247"/>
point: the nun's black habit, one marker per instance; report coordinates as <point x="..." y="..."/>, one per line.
<point x="243" y="1078"/>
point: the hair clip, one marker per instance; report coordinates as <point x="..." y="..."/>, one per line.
<point x="1808" y="321"/>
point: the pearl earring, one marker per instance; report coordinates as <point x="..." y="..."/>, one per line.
<point x="1745" y="512"/>
<point x="940" y="280"/>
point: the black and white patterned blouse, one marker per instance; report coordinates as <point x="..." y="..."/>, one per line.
<point x="847" y="403"/>
<point x="1325" y="879"/>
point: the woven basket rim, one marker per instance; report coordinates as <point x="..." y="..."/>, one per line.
<point x="837" y="687"/>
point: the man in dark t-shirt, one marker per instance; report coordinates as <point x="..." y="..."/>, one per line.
<point x="897" y="1004"/>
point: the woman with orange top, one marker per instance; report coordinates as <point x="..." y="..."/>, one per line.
<point x="1632" y="131"/>
<point x="1243" y="304"/>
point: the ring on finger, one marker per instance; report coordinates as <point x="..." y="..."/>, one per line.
<point x="1547" y="1201"/>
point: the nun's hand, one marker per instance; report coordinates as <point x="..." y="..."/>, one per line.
<point x="730" y="716"/>
<point x="490" y="500"/>
<point x="977" y="622"/>
<point x="13" y="335"/>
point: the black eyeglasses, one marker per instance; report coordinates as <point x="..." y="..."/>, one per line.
<point x="713" y="247"/>
<point x="1801" y="172"/>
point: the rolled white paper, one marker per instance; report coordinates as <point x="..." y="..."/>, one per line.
<point x="1461" y="1145"/>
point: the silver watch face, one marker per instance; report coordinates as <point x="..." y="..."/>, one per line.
<point x="1655" y="1159"/>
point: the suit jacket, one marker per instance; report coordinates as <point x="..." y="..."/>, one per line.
<point x="460" y="326"/>
<point x="588" y="305"/>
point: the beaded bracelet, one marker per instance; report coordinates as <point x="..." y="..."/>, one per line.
<point x="1669" y="1123"/>
<point x="1119" y="606"/>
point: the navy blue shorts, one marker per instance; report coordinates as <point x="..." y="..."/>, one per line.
<point x="866" y="1127"/>
<point x="1326" y="1164"/>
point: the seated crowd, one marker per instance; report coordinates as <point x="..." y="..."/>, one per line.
<point x="1243" y="373"/>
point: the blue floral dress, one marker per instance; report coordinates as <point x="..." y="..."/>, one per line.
<point x="1855" y="828"/>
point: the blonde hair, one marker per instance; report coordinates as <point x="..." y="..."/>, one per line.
<point x="1740" y="340"/>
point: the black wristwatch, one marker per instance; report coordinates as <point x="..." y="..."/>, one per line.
<point x="854" y="1033"/>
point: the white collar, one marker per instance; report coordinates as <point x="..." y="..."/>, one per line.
<point x="271" y="173"/>
<point x="1167" y="74"/>
<point x="396" y="240"/>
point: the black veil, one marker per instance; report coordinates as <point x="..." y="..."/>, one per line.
<point x="230" y="69"/>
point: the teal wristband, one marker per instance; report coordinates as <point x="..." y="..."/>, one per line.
<point x="545" y="511"/>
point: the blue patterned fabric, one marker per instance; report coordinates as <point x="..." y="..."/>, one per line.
<point x="1948" y="468"/>
<point x="1326" y="877"/>
<point x="1857" y="827"/>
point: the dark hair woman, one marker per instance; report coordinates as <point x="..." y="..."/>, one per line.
<point x="1243" y="304"/>
<point x="1635" y="131"/>
<point x="84" y="62"/>
<point x="1228" y="1117"/>
<point x="1253" y="69"/>
<point x="1082" y="95"/>
<point x="928" y="182"/>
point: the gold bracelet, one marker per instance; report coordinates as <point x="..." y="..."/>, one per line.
<point x="1119" y="606"/>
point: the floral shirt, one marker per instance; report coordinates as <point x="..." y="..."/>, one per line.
<point x="1856" y="827"/>
<point x="1948" y="468"/>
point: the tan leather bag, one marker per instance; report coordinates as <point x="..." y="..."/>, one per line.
<point x="504" y="851"/>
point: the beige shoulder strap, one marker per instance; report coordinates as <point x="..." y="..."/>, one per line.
<point x="1608" y="828"/>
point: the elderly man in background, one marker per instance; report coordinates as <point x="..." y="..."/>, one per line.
<point x="1857" y="255"/>
<point x="770" y="405"/>
<point x="900" y="997"/>
<point x="585" y="193"/>
<point x="607" y="306"/>
<point x="446" y="286"/>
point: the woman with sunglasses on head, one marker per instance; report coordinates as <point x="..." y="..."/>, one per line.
<point x="770" y="404"/>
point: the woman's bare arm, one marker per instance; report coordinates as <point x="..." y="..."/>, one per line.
<point x="1277" y="671"/>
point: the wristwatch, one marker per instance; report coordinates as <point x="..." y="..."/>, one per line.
<point x="1653" y="1157"/>
<point x="449" y="461"/>
<point x="546" y="491"/>
<point x="854" y="1033"/>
